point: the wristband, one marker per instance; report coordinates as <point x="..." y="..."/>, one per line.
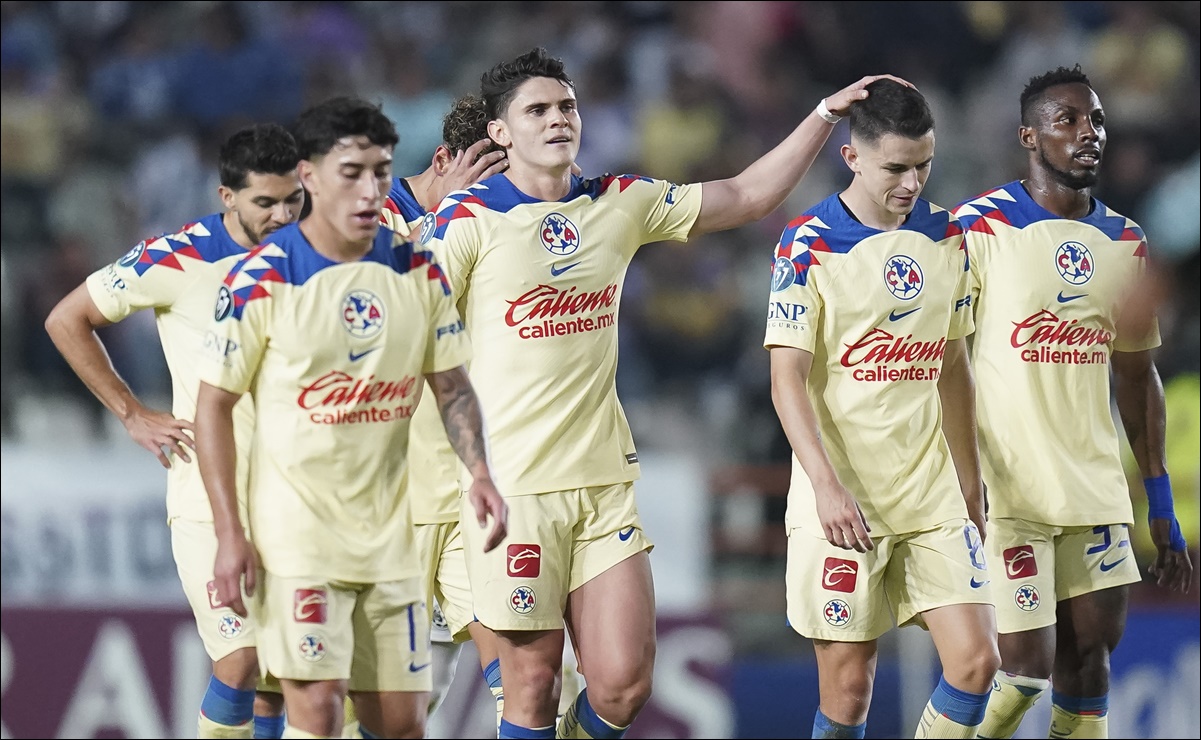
<point x="1160" y="506"/>
<point x="825" y="113"/>
<point x="1159" y="497"/>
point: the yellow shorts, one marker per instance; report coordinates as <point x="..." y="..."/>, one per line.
<point x="194" y="545"/>
<point x="447" y="590"/>
<point x="1035" y="566"/>
<point x="848" y="596"/>
<point x="557" y="542"/>
<point x="376" y="635"/>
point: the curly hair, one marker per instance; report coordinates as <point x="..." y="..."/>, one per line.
<point x="465" y="124"/>
<point x="1037" y="87"/>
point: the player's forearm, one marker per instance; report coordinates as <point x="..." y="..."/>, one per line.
<point x="799" y="422"/>
<point x="218" y="457"/>
<point x="957" y="393"/>
<point x="1141" y="406"/>
<point x="75" y="337"/>
<point x="460" y="411"/>
<point x="764" y="185"/>
<point x="768" y="180"/>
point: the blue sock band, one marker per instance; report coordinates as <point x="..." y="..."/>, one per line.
<point x="823" y="727"/>
<point x="962" y="707"/>
<point x="366" y="734"/>
<point x="492" y="674"/>
<point x="268" y="727"/>
<point x="592" y="724"/>
<point x="1097" y="706"/>
<point x="226" y="705"/>
<point x="510" y="730"/>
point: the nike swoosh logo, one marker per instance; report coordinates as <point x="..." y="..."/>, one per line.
<point x="625" y="535"/>
<point x="356" y="356"/>
<point x="894" y="316"/>
<point x="978" y="584"/>
<point x="1106" y="567"/>
<point x="413" y="667"/>
<point x="557" y="271"/>
<point x="1066" y="298"/>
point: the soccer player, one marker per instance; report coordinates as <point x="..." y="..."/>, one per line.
<point x="177" y="275"/>
<point x="1052" y="268"/>
<point x="331" y="326"/>
<point x="537" y="257"/>
<point x="870" y="380"/>
<point x="465" y="156"/>
<point x="434" y="473"/>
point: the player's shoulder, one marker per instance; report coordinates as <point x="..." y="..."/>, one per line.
<point x="460" y="207"/>
<point x="610" y="184"/>
<point x="203" y="240"/>
<point x="1000" y="203"/>
<point x="934" y="222"/>
<point x="258" y="273"/>
<point x="414" y="260"/>
<point x="1116" y="226"/>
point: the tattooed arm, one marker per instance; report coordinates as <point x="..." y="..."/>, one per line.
<point x="460" y="410"/>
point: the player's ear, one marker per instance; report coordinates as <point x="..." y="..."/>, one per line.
<point x="1027" y="136"/>
<point x="227" y="197"/>
<point x="441" y="159"/>
<point x="499" y="132"/>
<point x="851" y="156"/>
<point x="306" y="170"/>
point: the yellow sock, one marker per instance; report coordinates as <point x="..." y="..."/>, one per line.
<point x="298" y="734"/>
<point x="206" y="728"/>
<point x="1012" y="696"/>
<point x="350" y="721"/>
<point x="498" y="692"/>
<point x="1069" y="719"/>
<point x="935" y="724"/>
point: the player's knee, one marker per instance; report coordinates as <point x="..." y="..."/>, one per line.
<point x="530" y="681"/>
<point x="239" y="669"/>
<point x="975" y="671"/>
<point x="620" y="703"/>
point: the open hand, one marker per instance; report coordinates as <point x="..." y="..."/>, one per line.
<point x="840" y="102"/>
<point x="161" y="433"/>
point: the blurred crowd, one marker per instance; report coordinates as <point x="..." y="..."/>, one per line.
<point x="112" y="113"/>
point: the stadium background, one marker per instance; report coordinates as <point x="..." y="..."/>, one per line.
<point x="111" y="113"/>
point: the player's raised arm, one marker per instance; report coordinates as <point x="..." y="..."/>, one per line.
<point x="957" y="393"/>
<point x="460" y="410"/>
<point x="72" y="326"/>
<point x="840" y="515"/>
<point x="1140" y="399"/>
<point x="762" y="187"/>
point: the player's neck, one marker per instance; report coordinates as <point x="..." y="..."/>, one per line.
<point x="327" y="242"/>
<point x="870" y="213"/>
<point x="540" y="183"/>
<point x="234" y="228"/>
<point x="1062" y="200"/>
<point x="422" y="186"/>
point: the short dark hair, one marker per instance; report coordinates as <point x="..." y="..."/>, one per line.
<point x="499" y="84"/>
<point x="1037" y="87"/>
<point x="891" y="108"/>
<point x="267" y="148"/>
<point x="465" y="124"/>
<point x="321" y="126"/>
